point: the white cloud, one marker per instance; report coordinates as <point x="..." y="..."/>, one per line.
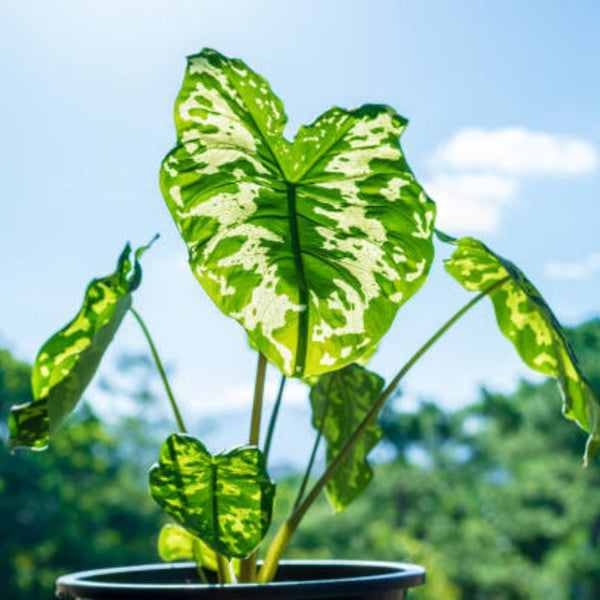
<point x="477" y="173"/>
<point x="517" y="151"/>
<point x="574" y="270"/>
<point x="471" y="202"/>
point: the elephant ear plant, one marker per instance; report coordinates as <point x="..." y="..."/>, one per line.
<point x="312" y="245"/>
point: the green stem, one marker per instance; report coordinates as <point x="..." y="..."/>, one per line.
<point x="259" y="387"/>
<point x="161" y="371"/>
<point x="197" y="557"/>
<point x="285" y="533"/>
<point x="231" y="572"/>
<point x="274" y="416"/>
<point x="201" y="573"/>
<point x="313" y="454"/>
<point x="248" y="565"/>
<point x="222" y="569"/>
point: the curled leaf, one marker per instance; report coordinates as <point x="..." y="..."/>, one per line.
<point x="67" y="362"/>
<point x="525" y="318"/>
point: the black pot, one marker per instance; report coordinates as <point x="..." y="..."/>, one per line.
<point x="297" y="580"/>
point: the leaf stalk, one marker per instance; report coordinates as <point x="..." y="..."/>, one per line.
<point x="273" y="419"/>
<point x="161" y="371"/>
<point x="313" y="454"/>
<point x="259" y="387"/>
<point x="248" y="565"/>
<point x="285" y="533"/>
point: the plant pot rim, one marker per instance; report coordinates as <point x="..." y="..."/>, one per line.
<point x="376" y="575"/>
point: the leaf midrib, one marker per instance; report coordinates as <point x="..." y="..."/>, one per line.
<point x="291" y="183"/>
<point x="214" y="500"/>
<point x="303" y="293"/>
<point x="302" y="339"/>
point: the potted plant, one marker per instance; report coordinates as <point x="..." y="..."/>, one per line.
<point x="312" y="245"/>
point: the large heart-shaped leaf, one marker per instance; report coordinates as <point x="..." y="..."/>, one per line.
<point x="67" y="362"/>
<point x="312" y="245"/>
<point x="527" y="321"/>
<point x="226" y="500"/>
<point x="340" y="400"/>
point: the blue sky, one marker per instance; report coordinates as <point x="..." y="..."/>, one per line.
<point x="504" y="133"/>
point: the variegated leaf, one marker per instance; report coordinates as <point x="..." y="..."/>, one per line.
<point x="68" y="360"/>
<point x="340" y="400"/>
<point x="226" y="500"/>
<point x="177" y="543"/>
<point x="312" y="245"/>
<point x="527" y="321"/>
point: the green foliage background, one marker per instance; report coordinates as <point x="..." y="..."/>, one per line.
<point x="491" y="499"/>
<point x="81" y="504"/>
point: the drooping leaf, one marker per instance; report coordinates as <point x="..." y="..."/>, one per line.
<point x="312" y="245"/>
<point x="527" y="321"/>
<point x="226" y="500"/>
<point x="340" y="400"/>
<point x="67" y="362"/>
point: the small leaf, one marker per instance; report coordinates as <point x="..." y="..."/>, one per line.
<point x="68" y="360"/>
<point x="527" y="321"/>
<point x="311" y="245"/>
<point x="176" y="543"/>
<point x="340" y="401"/>
<point x="226" y="500"/>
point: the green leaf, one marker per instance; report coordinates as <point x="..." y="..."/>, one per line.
<point x="68" y="360"/>
<point x="226" y="500"/>
<point x="176" y="543"/>
<point x="312" y="245"/>
<point x="527" y="321"/>
<point x="340" y="400"/>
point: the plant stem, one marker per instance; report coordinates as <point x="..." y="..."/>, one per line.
<point x="259" y="387"/>
<point x="197" y="557"/>
<point x="222" y="569"/>
<point x="201" y="573"/>
<point x="231" y="572"/>
<point x="248" y="565"/>
<point x="311" y="462"/>
<point x="313" y="454"/>
<point x="285" y="533"/>
<point x="161" y="371"/>
<point x="274" y="416"/>
<point x="178" y="417"/>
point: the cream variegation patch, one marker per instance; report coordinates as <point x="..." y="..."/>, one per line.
<point x="344" y="212"/>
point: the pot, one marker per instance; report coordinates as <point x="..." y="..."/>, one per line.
<point x="297" y="580"/>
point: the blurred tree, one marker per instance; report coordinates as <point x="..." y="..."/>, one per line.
<point x="14" y="387"/>
<point x="77" y="505"/>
